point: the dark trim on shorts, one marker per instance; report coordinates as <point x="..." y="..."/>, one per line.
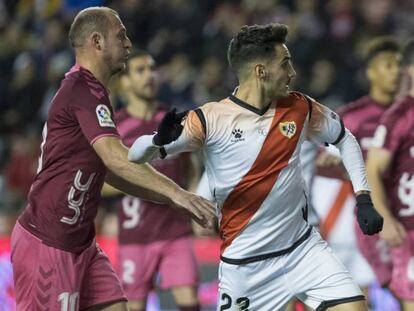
<point x="330" y="303"/>
<point x="200" y="115"/>
<point x="242" y="261"/>
<point x="106" y="303"/>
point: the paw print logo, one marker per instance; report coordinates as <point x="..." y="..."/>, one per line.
<point x="237" y="135"/>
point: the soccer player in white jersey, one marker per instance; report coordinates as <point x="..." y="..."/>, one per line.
<point x="250" y="143"/>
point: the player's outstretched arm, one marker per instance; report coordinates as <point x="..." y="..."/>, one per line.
<point x="378" y="162"/>
<point x="326" y="126"/>
<point x="145" y="182"/>
<point x="174" y="135"/>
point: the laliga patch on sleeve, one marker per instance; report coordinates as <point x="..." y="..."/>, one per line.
<point x="104" y="116"/>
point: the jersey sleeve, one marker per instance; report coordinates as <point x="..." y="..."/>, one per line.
<point x="389" y="132"/>
<point x="94" y="117"/>
<point x="325" y="125"/>
<point x="195" y="128"/>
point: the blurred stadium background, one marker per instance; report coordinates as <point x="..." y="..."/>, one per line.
<point x="188" y="39"/>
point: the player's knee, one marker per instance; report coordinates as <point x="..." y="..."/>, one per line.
<point x="136" y="305"/>
<point x="185" y="296"/>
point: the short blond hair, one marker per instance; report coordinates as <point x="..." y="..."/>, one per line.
<point x="87" y="21"/>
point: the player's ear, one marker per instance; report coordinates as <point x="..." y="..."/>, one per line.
<point x="260" y="71"/>
<point x="96" y="40"/>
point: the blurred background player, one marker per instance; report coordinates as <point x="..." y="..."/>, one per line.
<point x="361" y="117"/>
<point x="390" y="167"/>
<point x="153" y="239"/>
<point x="382" y="69"/>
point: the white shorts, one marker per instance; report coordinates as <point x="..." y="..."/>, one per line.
<point x="311" y="273"/>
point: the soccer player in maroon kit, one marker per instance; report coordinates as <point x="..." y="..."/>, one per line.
<point x="390" y="168"/>
<point x="152" y="238"/>
<point x="361" y="117"/>
<point x="57" y="264"/>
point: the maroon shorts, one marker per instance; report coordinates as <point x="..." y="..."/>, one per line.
<point x="47" y="278"/>
<point x="139" y="265"/>
<point x="402" y="280"/>
<point x="393" y="267"/>
<point x="377" y="253"/>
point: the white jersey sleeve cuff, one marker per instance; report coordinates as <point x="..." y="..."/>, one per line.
<point x="143" y="150"/>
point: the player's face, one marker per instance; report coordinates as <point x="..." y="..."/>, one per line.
<point x="280" y="73"/>
<point x="385" y="70"/>
<point x="117" y="46"/>
<point x="142" y="77"/>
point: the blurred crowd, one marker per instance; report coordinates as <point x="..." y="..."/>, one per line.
<point x="188" y="39"/>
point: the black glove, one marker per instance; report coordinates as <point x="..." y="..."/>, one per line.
<point x="368" y="218"/>
<point x="170" y="128"/>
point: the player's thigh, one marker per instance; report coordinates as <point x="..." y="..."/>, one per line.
<point x="402" y="282"/>
<point x="137" y="305"/>
<point x="407" y="305"/>
<point x="138" y="266"/>
<point x="254" y="286"/>
<point x="178" y="265"/>
<point x="100" y="285"/>
<point x="319" y="278"/>
<point x="45" y="277"/>
<point x="185" y="295"/>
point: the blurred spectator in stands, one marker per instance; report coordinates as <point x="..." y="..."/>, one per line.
<point x="55" y="71"/>
<point x="211" y="83"/>
<point x="177" y="86"/>
<point x="26" y="90"/>
<point x="21" y="167"/>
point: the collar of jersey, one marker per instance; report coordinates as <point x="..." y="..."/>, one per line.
<point x="245" y="105"/>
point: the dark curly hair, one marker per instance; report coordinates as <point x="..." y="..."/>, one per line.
<point x="254" y="43"/>
<point x="381" y="44"/>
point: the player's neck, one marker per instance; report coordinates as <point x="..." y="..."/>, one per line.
<point x="101" y="73"/>
<point x="381" y="97"/>
<point x="251" y="94"/>
<point x="140" y="108"/>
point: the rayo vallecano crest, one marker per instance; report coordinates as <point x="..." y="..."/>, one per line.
<point x="288" y="129"/>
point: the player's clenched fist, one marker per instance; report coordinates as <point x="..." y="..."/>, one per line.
<point x="368" y="218"/>
<point x="170" y="128"/>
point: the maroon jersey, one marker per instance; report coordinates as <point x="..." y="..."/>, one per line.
<point x="142" y="221"/>
<point x="396" y="134"/>
<point x="361" y="117"/>
<point x="65" y="193"/>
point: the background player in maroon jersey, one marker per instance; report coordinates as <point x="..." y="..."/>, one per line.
<point x="152" y="238"/>
<point x="361" y="117"/>
<point x="390" y="168"/>
<point x="56" y="263"/>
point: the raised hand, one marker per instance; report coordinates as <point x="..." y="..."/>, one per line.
<point x="170" y="128"/>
